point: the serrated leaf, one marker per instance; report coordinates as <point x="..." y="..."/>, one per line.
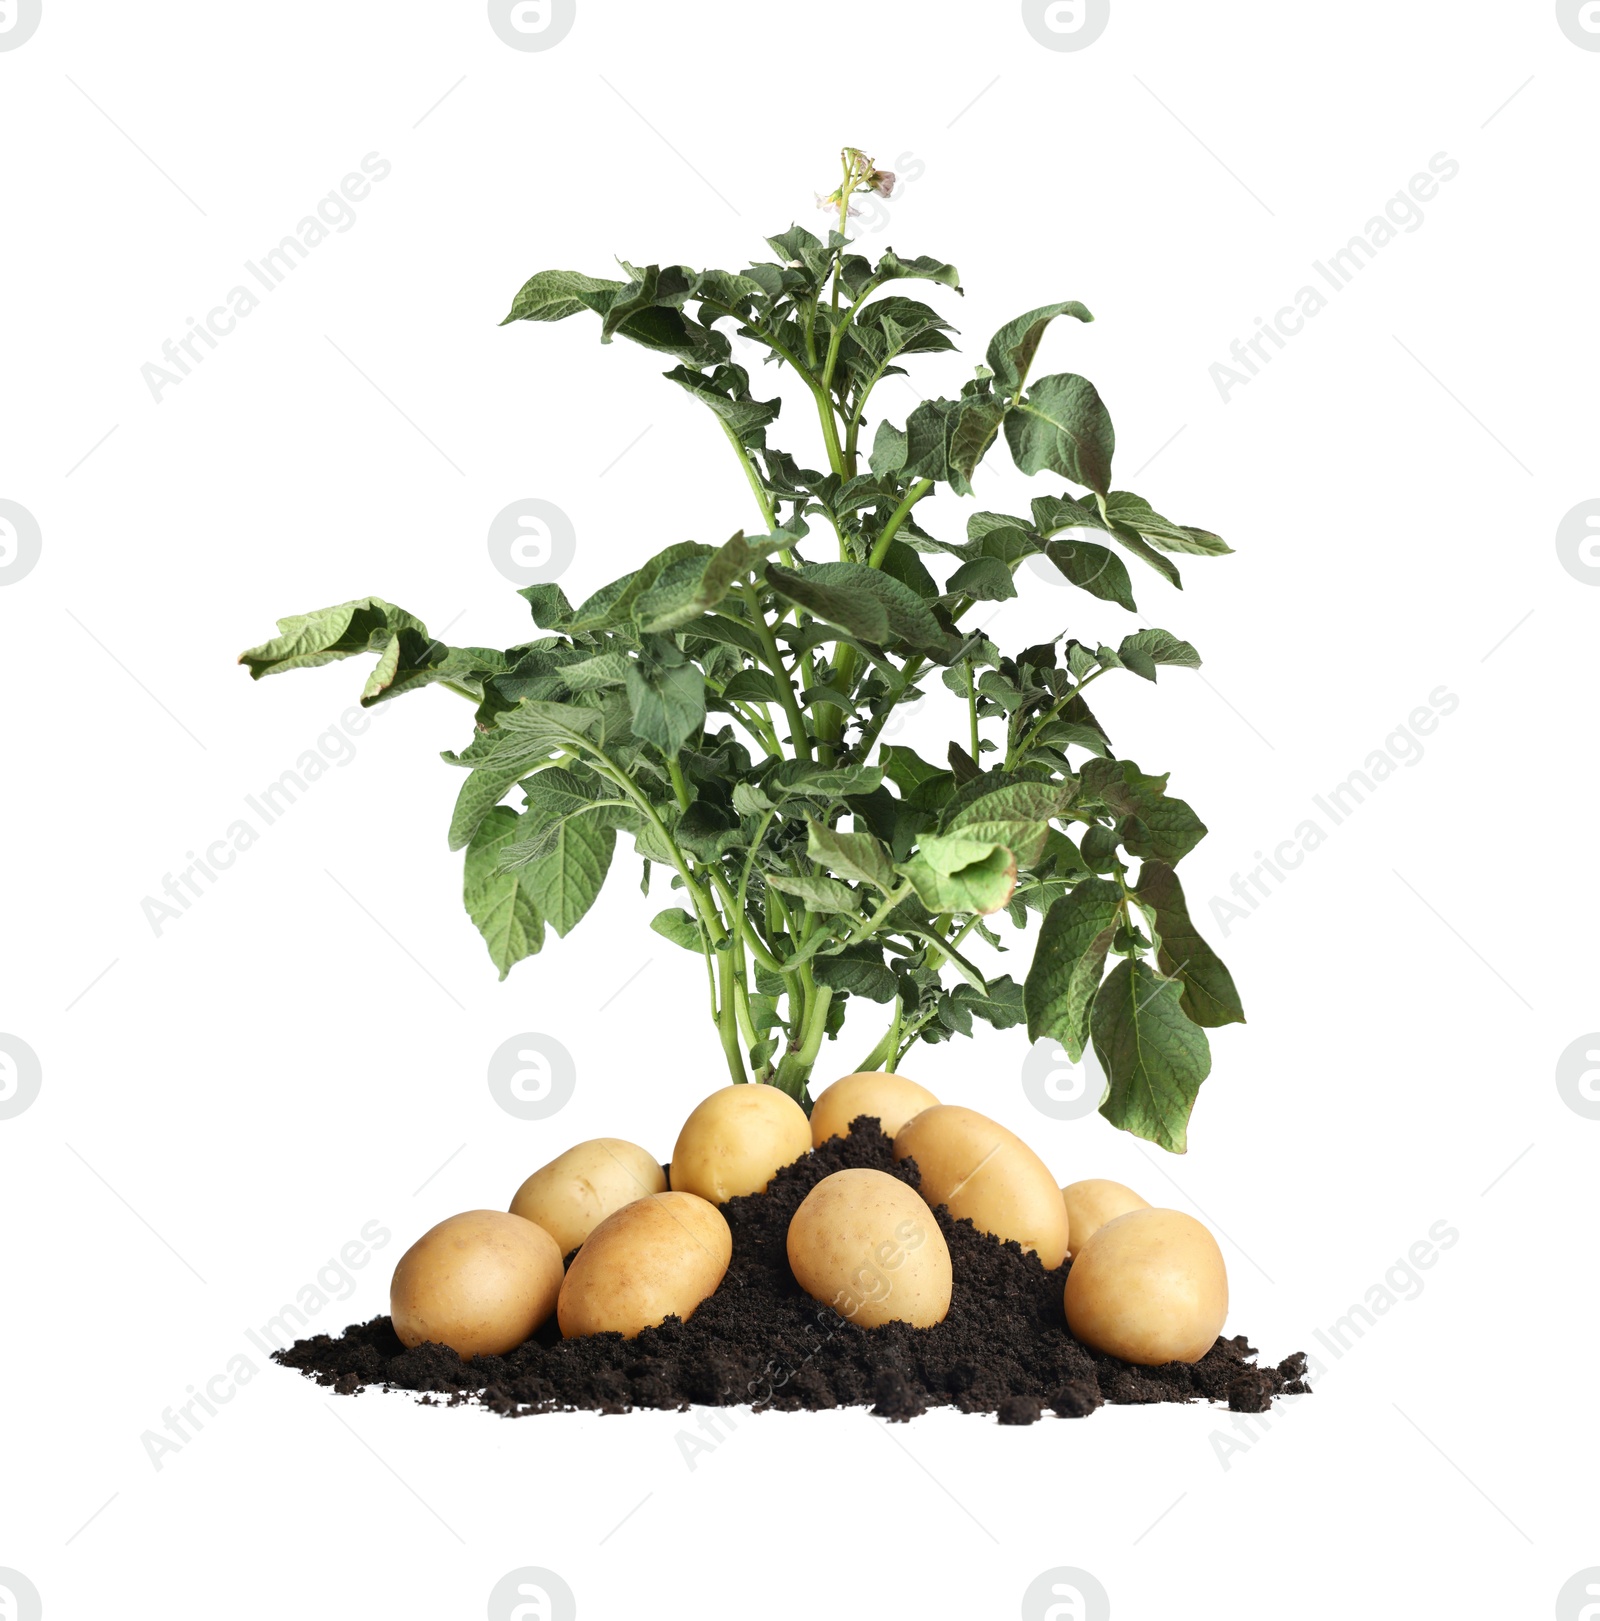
<point x="1210" y="997"/>
<point x="1012" y="349"/>
<point x="499" y="903"/>
<point x="1062" y="426"/>
<point x="1068" y="962"/>
<point x="1154" y="1055"/>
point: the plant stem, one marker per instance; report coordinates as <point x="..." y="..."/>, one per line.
<point x="791" y="705"/>
<point x="757" y="488"/>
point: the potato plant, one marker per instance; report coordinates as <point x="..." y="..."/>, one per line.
<point x="723" y="706"/>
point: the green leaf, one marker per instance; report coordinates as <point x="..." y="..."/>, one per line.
<point x="1062" y="426"/>
<point x="974" y="430"/>
<point x="890" y="447"/>
<point x="693" y="584"/>
<point x="1012" y="348"/>
<point x="1154" y="1055"/>
<point x="905" y="768"/>
<point x="551" y="610"/>
<point x="984" y="579"/>
<point x="521" y="738"/>
<point x="1028" y="801"/>
<point x="678" y="927"/>
<point x="564" y="882"/>
<point x="727" y="393"/>
<point x="856" y="856"/>
<point x="808" y="779"/>
<point x="849" y="588"/>
<point x="891" y="267"/>
<point x="667" y="702"/>
<point x="1135" y="513"/>
<point x="1025" y="840"/>
<point x="854" y="612"/>
<point x="860" y="970"/>
<point x="1154" y="825"/>
<point x="499" y="903"/>
<point x="1067" y="964"/>
<point x="1132" y="541"/>
<point x="956" y="874"/>
<point x="1209" y="995"/>
<point x="603" y="670"/>
<point x="304" y="641"/>
<point x="1095" y="569"/>
<point x="1145" y="649"/>
<point x="820" y="894"/>
<point x="553" y="295"/>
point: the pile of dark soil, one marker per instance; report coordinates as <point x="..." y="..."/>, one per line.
<point x="1004" y="1348"/>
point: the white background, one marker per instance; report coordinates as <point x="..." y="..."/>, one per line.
<point x="298" y="1054"/>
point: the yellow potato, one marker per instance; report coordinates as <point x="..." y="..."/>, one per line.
<point x="866" y="1244"/>
<point x="736" y="1141"/>
<point x="891" y="1098"/>
<point x="987" y="1175"/>
<point x="1149" y="1287"/>
<point x="653" y="1259"/>
<point x="577" y="1190"/>
<point x="1090" y="1205"/>
<point x="480" y="1283"/>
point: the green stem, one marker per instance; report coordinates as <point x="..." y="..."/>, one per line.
<point x="769" y="643"/>
<point x="972" y="711"/>
<point x="1045" y="719"/>
<point x="757" y="488"/>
